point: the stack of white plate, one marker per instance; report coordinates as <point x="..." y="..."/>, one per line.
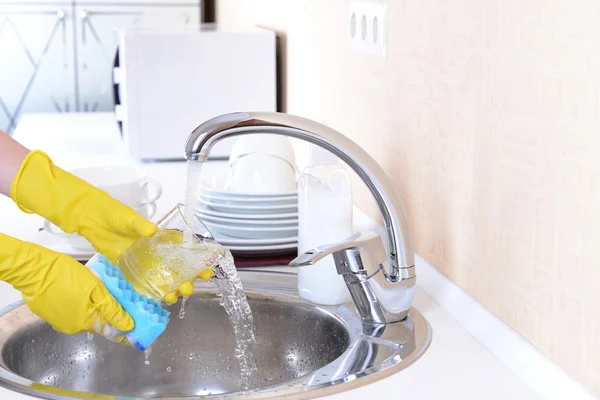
<point x="250" y="224"/>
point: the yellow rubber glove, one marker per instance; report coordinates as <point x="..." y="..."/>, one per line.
<point x="187" y="288"/>
<point x="76" y="206"/>
<point x="61" y="291"/>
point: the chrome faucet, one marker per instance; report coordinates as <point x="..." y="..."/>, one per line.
<point x="381" y="282"/>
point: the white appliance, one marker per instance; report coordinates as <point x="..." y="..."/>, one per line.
<point x="169" y="81"/>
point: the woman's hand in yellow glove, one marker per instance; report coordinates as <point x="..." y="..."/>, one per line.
<point x="111" y="226"/>
<point x="76" y="206"/>
<point x="60" y="290"/>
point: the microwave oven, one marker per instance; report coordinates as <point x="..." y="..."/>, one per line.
<point x="167" y="81"/>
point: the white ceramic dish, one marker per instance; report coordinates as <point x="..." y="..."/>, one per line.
<point x="261" y="174"/>
<point x="125" y="183"/>
<point x="252" y="233"/>
<point x="256" y="249"/>
<point x="265" y="143"/>
<point x="227" y="240"/>
<point x="209" y="188"/>
<point x="58" y="244"/>
<point x="248" y="223"/>
<point x="250" y="209"/>
<point x="201" y="209"/>
<point x="273" y="201"/>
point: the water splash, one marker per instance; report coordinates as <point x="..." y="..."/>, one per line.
<point x="233" y="299"/>
<point x="182" y="309"/>
<point x="147" y="353"/>
<point x="229" y="286"/>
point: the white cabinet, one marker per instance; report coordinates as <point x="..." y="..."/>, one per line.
<point x="59" y="58"/>
<point x="36" y="61"/>
<point x="97" y="43"/>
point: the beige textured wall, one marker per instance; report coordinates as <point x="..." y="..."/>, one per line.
<point x="486" y="115"/>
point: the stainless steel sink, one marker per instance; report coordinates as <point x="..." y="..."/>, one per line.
<point x="301" y="350"/>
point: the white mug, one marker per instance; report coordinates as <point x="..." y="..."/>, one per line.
<point x="127" y="184"/>
<point x="79" y="242"/>
<point x="259" y="173"/>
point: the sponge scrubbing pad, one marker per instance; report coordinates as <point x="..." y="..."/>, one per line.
<point x="149" y="317"/>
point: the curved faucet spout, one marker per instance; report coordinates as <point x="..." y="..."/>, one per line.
<point x="401" y="255"/>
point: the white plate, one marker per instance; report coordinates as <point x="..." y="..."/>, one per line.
<point x="201" y="209"/>
<point x="256" y="249"/>
<point x="226" y="240"/>
<point x="267" y="201"/>
<point x="60" y="245"/>
<point x="208" y="188"/>
<point x="250" y="209"/>
<point x="252" y="232"/>
<point x="248" y="223"/>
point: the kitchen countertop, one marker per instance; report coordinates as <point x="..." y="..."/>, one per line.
<point x="455" y="366"/>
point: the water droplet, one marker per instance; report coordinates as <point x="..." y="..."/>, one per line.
<point x="182" y="309"/>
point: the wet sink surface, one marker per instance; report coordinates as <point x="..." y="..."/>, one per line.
<point x="299" y="347"/>
<point x="193" y="357"/>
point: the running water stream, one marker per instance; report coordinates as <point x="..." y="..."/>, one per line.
<point x="233" y="300"/>
<point x="229" y="286"/>
<point x="182" y="309"/>
<point x="194" y="168"/>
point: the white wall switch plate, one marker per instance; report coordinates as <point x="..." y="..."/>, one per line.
<point x="368" y="27"/>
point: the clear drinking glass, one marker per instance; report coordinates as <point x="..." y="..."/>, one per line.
<point x="179" y="251"/>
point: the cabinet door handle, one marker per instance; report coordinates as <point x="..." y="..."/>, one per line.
<point x="83" y="16"/>
<point x="61" y="15"/>
<point x="86" y="24"/>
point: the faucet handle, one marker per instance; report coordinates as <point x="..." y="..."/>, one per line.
<point x="363" y="245"/>
<point x="379" y="298"/>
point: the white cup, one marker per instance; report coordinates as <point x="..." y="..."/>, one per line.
<point x="79" y="242"/>
<point x="126" y="184"/>
<point x="271" y="144"/>
<point x="261" y="174"/>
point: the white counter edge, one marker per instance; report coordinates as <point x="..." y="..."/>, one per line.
<point x="534" y="368"/>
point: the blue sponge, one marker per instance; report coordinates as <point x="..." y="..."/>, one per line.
<point x="149" y="317"/>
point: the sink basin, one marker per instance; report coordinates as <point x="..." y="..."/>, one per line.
<point x="300" y="348"/>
